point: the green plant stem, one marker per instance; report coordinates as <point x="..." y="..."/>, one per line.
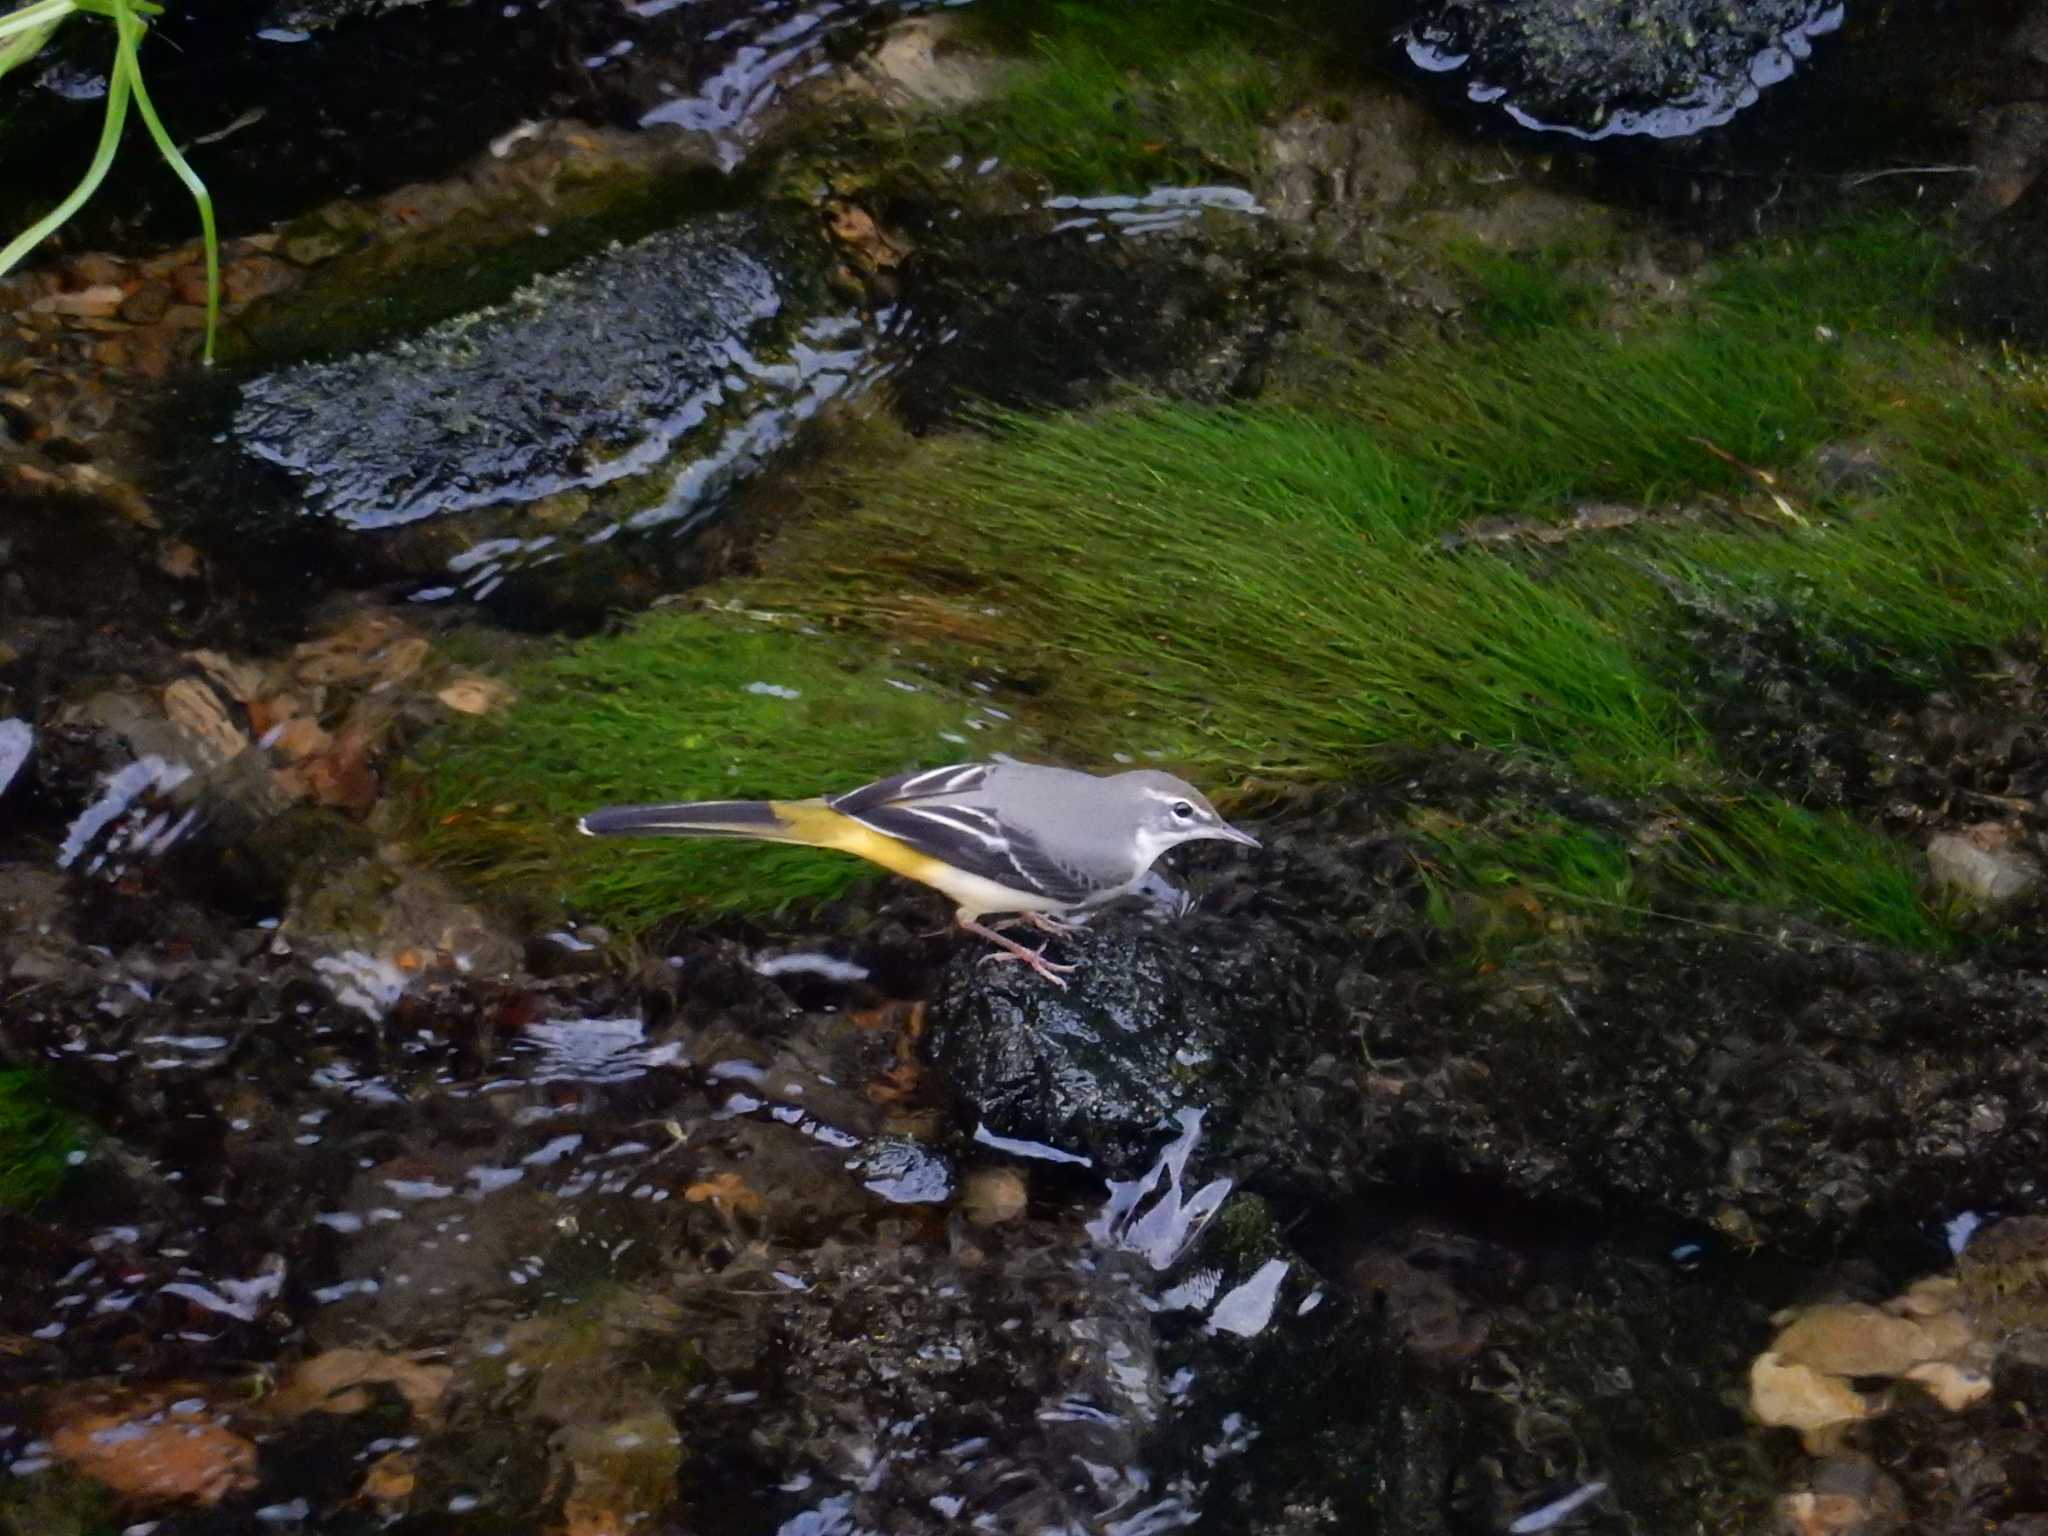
<point x="126" y="60"/>
<point x="44" y="14"/>
<point x="118" y="86"/>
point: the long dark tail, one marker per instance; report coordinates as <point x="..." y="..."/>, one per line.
<point x="773" y="821"/>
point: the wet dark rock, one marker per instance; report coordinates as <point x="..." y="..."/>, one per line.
<point x="1938" y="1470"/>
<point x="269" y="97"/>
<point x="1781" y="1087"/>
<point x="282" y="118"/>
<point x="511" y="404"/>
<point x="2003" y="293"/>
<point x="1611" y="1368"/>
<point x="1665" y="69"/>
<point x="1162" y="1016"/>
<point x="922" y="1389"/>
<point x="553" y="449"/>
<point x="1036" y="320"/>
<point x="1830" y="721"/>
<point x="565" y="952"/>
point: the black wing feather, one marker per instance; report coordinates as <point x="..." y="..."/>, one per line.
<point x="922" y="784"/>
<point x="967" y="836"/>
<point x="973" y="840"/>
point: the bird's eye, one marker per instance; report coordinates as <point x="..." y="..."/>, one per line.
<point x="1183" y="810"/>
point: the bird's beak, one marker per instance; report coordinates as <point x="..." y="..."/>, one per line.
<point x="1232" y="834"/>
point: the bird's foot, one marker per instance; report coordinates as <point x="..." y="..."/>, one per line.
<point x="1011" y="950"/>
<point x="1051" y="970"/>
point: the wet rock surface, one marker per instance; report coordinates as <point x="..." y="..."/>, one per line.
<point x="1159" y="1019"/>
<point x="268" y="97"/>
<point x="526" y="433"/>
<point x="598" y="364"/>
<point x="1775" y="1088"/>
<point x="1666" y="70"/>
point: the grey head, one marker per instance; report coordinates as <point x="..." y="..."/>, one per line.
<point x="1165" y="812"/>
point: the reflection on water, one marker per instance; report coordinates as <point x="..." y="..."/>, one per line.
<point x="129" y="819"/>
<point x="610" y="1246"/>
<point x="766" y="52"/>
<point x="1159" y="211"/>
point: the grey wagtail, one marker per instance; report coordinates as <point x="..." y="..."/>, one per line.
<point x="998" y="838"/>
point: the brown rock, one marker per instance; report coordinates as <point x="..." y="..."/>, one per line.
<point x="161" y="1445"/>
<point x="1794" y="1396"/>
<point x="1846" y="1496"/>
<point x="1851" y="1339"/>
<point x="189" y="284"/>
<point x="120" y="495"/>
<point x="473" y="695"/>
<point x="401" y="658"/>
<point x="150" y="354"/>
<point x="257" y="277"/>
<point x="196" y="708"/>
<point x="338" y="1382"/>
<point x="96" y="269"/>
<point x="147" y="304"/>
<point x="389" y="1480"/>
<point x="368" y="645"/>
<point x="240" y="680"/>
<point x="102" y="300"/>
<point x="342" y="776"/>
<point x="1954" y="1386"/>
<point x="994" y="1195"/>
<point x="300" y="737"/>
<point x="311" y="249"/>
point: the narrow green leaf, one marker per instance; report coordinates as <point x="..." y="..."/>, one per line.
<point x="128" y="62"/>
<point x="103" y="158"/>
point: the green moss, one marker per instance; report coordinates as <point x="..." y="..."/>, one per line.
<point x="1121" y="97"/>
<point x="677" y="707"/>
<point x="1267" y="591"/>
<point x="383" y="279"/>
<point x="36" y="1139"/>
<point x="1524" y="874"/>
<point x="1162" y="578"/>
<point x="1948" y="553"/>
<point x="1515" y="294"/>
<point x="57" y="1503"/>
<point x="1772" y="854"/>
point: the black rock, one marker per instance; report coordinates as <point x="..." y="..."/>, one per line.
<point x="1159" y="1017"/>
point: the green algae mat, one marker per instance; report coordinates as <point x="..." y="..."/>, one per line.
<point x="1485" y="542"/>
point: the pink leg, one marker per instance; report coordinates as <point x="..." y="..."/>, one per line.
<point x="1012" y="950"/>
